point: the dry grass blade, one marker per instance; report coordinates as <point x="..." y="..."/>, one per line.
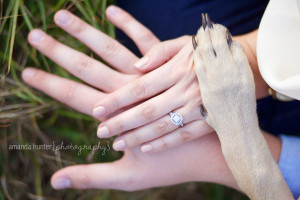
<point x="13" y="33"/>
<point x="17" y="106"/>
<point x="23" y="113"/>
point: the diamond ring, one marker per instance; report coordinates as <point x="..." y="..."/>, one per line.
<point x="176" y="119"/>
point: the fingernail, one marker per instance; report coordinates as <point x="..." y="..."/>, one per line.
<point x="119" y="145"/>
<point x="142" y="62"/>
<point x="61" y="183"/>
<point x="103" y="132"/>
<point x="99" y="111"/>
<point x="146" y="148"/>
<point x="63" y="18"/>
<point x="28" y="73"/>
<point x="37" y="36"/>
<point x="112" y="10"/>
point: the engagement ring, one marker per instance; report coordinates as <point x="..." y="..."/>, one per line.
<point x="176" y="119"/>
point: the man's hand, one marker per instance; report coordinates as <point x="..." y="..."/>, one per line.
<point x="77" y="95"/>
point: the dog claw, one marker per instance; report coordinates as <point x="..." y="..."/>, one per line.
<point x="194" y="42"/>
<point x="203" y="21"/>
<point x="208" y="21"/>
<point x="229" y="38"/>
<point x="203" y="111"/>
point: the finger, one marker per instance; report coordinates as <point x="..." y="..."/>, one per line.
<point x="107" y="48"/>
<point x="104" y="176"/>
<point x="77" y="63"/>
<point x="142" y="114"/>
<point x="180" y="136"/>
<point x="71" y="93"/>
<point x="145" y="87"/>
<point x="160" y="53"/>
<point x="142" y="36"/>
<point x="155" y="129"/>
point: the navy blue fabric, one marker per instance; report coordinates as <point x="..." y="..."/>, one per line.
<point x="169" y="19"/>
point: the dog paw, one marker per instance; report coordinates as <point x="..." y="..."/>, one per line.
<point x="224" y="74"/>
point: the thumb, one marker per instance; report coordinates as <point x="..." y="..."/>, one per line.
<point x="105" y="176"/>
<point x="160" y="53"/>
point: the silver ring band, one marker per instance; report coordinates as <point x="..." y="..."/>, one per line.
<point x="176" y="119"/>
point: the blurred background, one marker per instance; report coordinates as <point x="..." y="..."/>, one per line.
<point x="28" y="117"/>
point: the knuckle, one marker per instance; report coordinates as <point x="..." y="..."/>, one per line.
<point x="117" y="126"/>
<point x="111" y="48"/>
<point x="162" y="143"/>
<point x="147" y="36"/>
<point x="185" y="135"/>
<point x="136" y="139"/>
<point x="115" y="103"/>
<point x="161" y="127"/>
<point x="133" y="139"/>
<point x="82" y="65"/>
<point x="69" y="92"/>
<point x="140" y="90"/>
<point x="149" y="112"/>
<point x="159" y="51"/>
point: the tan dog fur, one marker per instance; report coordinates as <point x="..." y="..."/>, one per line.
<point x="228" y="94"/>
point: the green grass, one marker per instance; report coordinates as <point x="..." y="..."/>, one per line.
<point x="28" y="116"/>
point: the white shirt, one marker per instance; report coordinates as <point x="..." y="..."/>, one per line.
<point x="278" y="47"/>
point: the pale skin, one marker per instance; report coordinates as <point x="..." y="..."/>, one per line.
<point x="197" y="160"/>
<point x="174" y="88"/>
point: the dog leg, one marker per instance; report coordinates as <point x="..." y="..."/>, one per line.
<point x="228" y="95"/>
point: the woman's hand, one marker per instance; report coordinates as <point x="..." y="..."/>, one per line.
<point x="172" y="87"/>
<point x="149" y="121"/>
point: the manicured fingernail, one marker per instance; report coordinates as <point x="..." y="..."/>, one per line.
<point x="112" y="10"/>
<point x="63" y="18"/>
<point x="103" y="132"/>
<point x="146" y="148"/>
<point x="61" y="183"/>
<point x="37" y="36"/>
<point x="119" y="145"/>
<point x="99" y="111"/>
<point x="142" y="62"/>
<point x="28" y="73"/>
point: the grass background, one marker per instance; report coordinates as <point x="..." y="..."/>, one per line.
<point x="27" y="116"/>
